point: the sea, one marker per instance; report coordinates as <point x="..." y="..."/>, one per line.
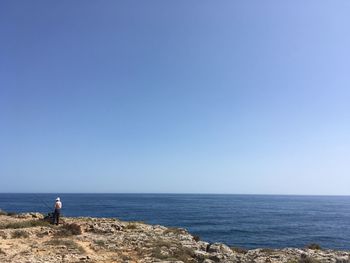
<point x="247" y="221"/>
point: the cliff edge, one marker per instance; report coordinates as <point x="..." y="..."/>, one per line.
<point x="29" y="238"/>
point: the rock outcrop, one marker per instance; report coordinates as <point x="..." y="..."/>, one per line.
<point x="28" y="238"/>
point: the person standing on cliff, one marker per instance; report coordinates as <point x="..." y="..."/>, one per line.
<point x="58" y="207"/>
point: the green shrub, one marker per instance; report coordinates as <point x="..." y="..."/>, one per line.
<point x="20" y="234"/>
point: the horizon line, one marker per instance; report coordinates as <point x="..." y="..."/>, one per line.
<point x="176" y="193"/>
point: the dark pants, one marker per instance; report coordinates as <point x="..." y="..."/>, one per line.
<point x="56" y="216"/>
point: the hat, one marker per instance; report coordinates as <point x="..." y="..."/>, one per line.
<point x="57" y="199"/>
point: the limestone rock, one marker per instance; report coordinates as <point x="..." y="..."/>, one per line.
<point x="111" y="240"/>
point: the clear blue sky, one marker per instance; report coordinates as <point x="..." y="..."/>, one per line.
<point x="175" y="96"/>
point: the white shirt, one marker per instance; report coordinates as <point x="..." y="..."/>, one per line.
<point x="58" y="205"/>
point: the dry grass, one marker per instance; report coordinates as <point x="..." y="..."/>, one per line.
<point x="268" y="251"/>
<point x="100" y="243"/>
<point x="314" y="246"/>
<point x="162" y="243"/>
<point x="11" y="214"/>
<point x="343" y="260"/>
<point x="68" y="243"/>
<point x="180" y="254"/>
<point x="239" y="250"/>
<point x="3" y="213"/>
<point x="20" y="234"/>
<point x="131" y="225"/>
<point x="306" y="259"/>
<point x="25" y="224"/>
<point x="174" y="230"/>
<point x="3" y="235"/>
<point x="69" y="230"/>
<point x="176" y="252"/>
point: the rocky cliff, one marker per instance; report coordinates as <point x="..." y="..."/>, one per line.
<point x="28" y="238"/>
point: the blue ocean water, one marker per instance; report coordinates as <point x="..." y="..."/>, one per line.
<point x="248" y="221"/>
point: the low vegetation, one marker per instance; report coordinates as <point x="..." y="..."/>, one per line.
<point x="3" y="235"/>
<point x="174" y="230"/>
<point x="3" y="213"/>
<point x="11" y="214"/>
<point x="196" y="238"/>
<point x="268" y="251"/>
<point x="239" y="250"/>
<point x="69" y="230"/>
<point x="19" y="234"/>
<point x="25" y="224"/>
<point x="68" y="243"/>
<point x="342" y="260"/>
<point x="179" y="254"/>
<point x="174" y="252"/>
<point x="314" y="246"/>
<point x="131" y="226"/>
<point x="100" y="243"/>
<point x="306" y="259"/>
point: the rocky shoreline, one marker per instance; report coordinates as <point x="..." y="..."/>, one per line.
<point x="29" y="238"/>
